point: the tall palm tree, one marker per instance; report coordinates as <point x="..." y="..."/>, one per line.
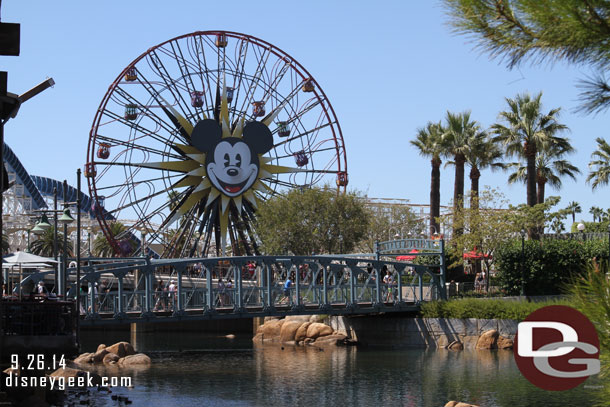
<point x="101" y="245"/>
<point x="458" y="133"/>
<point x="526" y="131"/>
<point x="550" y="167"/>
<point x="573" y="208"/>
<point x="596" y="212"/>
<point x="600" y="164"/>
<point x="483" y="153"/>
<point x="43" y="246"/>
<point x="429" y="142"/>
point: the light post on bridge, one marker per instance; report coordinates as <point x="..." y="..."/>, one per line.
<point x="522" y="232"/>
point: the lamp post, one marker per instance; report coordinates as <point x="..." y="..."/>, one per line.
<point x="581" y="229"/>
<point x="522" y="232"/>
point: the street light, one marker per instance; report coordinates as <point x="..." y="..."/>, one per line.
<point x="522" y="232"/>
<point x="396" y="236"/>
<point x="66" y="218"/>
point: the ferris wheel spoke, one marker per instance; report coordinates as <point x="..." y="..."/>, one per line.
<point x="186" y="75"/>
<point x="169" y="82"/>
<point x="253" y="83"/>
<point x="138" y="182"/>
<point x="138" y="201"/>
<point x="131" y="145"/>
<point x="240" y="66"/>
<point x="145" y="110"/>
<point x="208" y="72"/>
<point x="299" y="135"/>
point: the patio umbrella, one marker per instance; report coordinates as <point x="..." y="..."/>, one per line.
<point x="23" y="259"/>
<point x="476" y="255"/>
<point x="407" y="258"/>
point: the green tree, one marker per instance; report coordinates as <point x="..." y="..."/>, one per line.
<point x="459" y="131"/>
<point x="513" y="31"/>
<point x="429" y="142"/>
<point x="528" y="130"/>
<point x="43" y="246"/>
<point x="312" y="220"/>
<point x="101" y="245"/>
<point x="550" y="167"/>
<point x="486" y="226"/>
<point x="600" y="164"/>
<point x="483" y="153"/>
<point x="573" y="208"/>
<point x="596" y="211"/>
<point x="385" y="222"/>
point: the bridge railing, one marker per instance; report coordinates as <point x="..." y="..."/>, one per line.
<point x="322" y="283"/>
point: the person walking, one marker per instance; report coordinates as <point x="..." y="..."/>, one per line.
<point x="172" y="295"/>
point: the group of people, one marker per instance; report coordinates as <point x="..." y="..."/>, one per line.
<point x="225" y="290"/>
<point x="165" y="296"/>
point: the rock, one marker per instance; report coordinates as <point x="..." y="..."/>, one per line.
<point x="259" y="329"/>
<point x="83" y="359"/>
<point x="98" y="356"/>
<point x="317" y="329"/>
<point x="456" y="345"/>
<point x="69" y="372"/>
<point x="488" y="340"/>
<point x="300" y="318"/>
<point x="11" y="371"/>
<point x="271" y="329"/>
<point x="111" y="357"/>
<point x="318" y="318"/>
<point x="288" y="330"/>
<point x="139" y="359"/>
<point x="267" y="319"/>
<point x="451" y="403"/>
<point x="230" y="336"/>
<point x="100" y="347"/>
<point x="504" y="343"/>
<point x="129" y="350"/>
<point x="331" y="340"/>
<point x="460" y="404"/>
<point x="307" y="341"/>
<point x="301" y="333"/>
<point x="258" y="337"/>
<point x="118" y="348"/>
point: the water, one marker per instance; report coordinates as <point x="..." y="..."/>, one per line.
<point x="193" y="369"/>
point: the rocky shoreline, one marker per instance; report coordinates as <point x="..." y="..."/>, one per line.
<point x="120" y="354"/>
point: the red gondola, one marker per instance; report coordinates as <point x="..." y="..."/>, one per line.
<point x="103" y="151"/>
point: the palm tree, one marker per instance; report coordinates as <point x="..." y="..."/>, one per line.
<point x="456" y="138"/>
<point x="429" y="142"/>
<point x="483" y="153"/>
<point x="574" y="208"/>
<point x="550" y="167"/>
<point x="101" y="245"/>
<point x="527" y="131"/>
<point x="596" y="212"/>
<point x="600" y="164"/>
<point x="43" y="246"/>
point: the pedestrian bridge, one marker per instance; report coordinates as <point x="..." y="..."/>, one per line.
<point x="163" y="290"/>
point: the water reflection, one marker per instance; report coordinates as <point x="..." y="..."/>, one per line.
<point x="213" y="370"/>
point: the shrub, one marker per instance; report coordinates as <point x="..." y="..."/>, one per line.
<point x="483" y="308"/>
<point x="549" y="265"/>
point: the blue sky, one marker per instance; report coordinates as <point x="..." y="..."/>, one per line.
<point x="387" y="67"/>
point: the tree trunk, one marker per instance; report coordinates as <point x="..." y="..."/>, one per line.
<point x="475" y="174"/>
<point x="435" y="195"/>
<point x="458" y="189"/>
<point x="530" y="155"/>
<point x="541" y="184"/>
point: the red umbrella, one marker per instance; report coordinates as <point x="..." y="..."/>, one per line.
<point x="408" y="258"/>
<point x="475" y="255"/>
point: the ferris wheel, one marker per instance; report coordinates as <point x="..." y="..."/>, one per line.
<point x="196" y="132"/>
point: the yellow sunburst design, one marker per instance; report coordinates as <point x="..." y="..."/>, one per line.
<point x="196" y="178"/>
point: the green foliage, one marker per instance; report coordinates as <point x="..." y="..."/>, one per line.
<point x="591" y="295"/>
<point x="102" y="247"/>
<point x="575" y="31"/>
<point x="483" y="308"/>
<point x="313" y="220"/>
<point x="600" y="164"/>
<point x="549" y="265"/>
<point x="385" y="222"/>
<point x="43" y="246"/>
<point x="592" y="227"/>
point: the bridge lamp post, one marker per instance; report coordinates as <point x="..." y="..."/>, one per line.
<point x="65" y="219"/>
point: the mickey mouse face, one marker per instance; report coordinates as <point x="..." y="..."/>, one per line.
<point x="232" y="163"/>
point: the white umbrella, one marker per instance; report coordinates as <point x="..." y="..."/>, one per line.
<point x="22" y="259"/>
